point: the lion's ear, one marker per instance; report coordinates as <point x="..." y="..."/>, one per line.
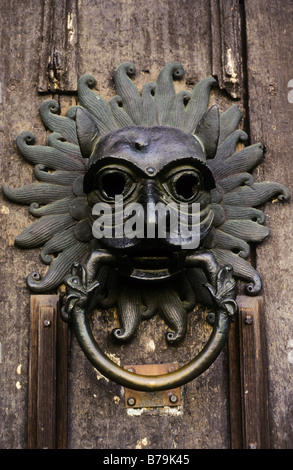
<point x="208" y="131"/>
<point x="87" y="132"/>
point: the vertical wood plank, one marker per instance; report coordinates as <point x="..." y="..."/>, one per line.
<point x="58" y="60"/>
<point x="19" y="110"/>
<point x="249" y="410"/>
<point x="227" y="46"/>
<point x="33" y="374"/>
<point x="234" y="386"/>
<point x="62" y="384"/>
<point x="46" y="380"/>
<point x="47" y="404"/>
<point x="269" y="36"/>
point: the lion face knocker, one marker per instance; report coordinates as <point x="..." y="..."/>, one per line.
<point x="151" y="168"/>
<point x="111" y="174"/>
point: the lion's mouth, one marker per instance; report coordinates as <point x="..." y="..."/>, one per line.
<point x="152" y="265"/>
<point x="158" y="258"/>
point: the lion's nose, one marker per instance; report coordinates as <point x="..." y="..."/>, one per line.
<point x="156" y="213"/>
<point x="151" y="215"/>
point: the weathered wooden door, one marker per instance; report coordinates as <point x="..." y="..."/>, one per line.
<point x="247" y="45"/>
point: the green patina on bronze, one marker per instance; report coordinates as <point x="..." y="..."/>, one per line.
<point x="144" y="137"/>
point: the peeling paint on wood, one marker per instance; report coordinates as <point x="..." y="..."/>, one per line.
<point x="226" y="27"/>
<point x="58" y="70"/>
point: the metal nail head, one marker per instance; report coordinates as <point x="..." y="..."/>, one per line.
<point x="131" y="401"/>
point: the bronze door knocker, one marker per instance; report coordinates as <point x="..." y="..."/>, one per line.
<point x="132" y="157"/>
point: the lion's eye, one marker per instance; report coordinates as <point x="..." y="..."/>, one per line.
<point x="114" y="183"/>
<point x="185" y="185"/>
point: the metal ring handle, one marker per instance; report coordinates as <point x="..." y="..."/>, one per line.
<point x="181" y="376"/>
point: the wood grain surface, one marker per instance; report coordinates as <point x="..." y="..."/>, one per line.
<point x="149" y="34"/>
<point x="269" y="68"/>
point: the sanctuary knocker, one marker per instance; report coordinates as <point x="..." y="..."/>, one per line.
<point x="113" y="197"/>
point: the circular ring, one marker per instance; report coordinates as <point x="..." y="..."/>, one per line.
<point x="145" y="383"/>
